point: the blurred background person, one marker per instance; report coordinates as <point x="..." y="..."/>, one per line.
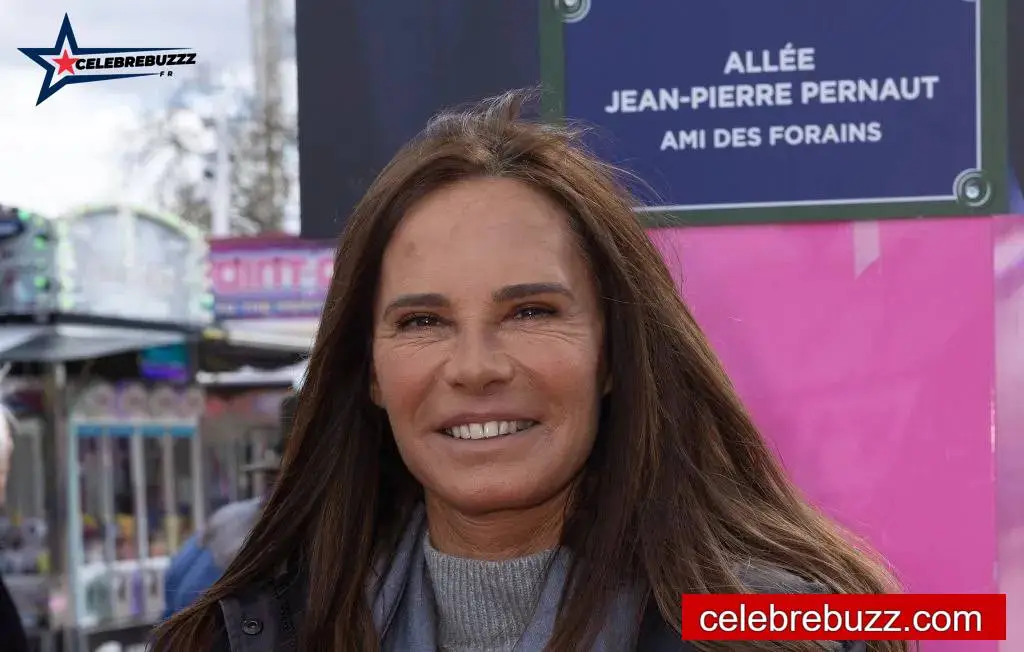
<point x="204" y="556"/>
<point x="12" y="632"/>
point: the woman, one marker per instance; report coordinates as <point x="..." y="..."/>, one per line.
<point x="12" y="633"/>
<point x="512" y="434"/>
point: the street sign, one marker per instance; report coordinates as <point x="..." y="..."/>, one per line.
<point x="780" y="110"/>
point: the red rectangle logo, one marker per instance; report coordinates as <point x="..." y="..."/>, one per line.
<point x="823" y="617"/>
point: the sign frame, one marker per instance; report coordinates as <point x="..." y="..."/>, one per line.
<point x="991" y="38"/>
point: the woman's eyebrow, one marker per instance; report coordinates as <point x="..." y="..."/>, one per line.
<point x="525" y="290"/>
<point x="421" y="300"/>
<point x="507" y="293"/>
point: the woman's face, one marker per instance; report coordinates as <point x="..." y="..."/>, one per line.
<point x="487" y="351"/>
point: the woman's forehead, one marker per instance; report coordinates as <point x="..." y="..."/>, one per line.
<point x="476" y="209"/>
<point x="497" y="231"/>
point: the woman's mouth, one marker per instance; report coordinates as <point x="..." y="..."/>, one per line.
<point x="488" y="429"/>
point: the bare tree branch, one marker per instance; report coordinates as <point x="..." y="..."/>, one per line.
<point x="260" y="142"/>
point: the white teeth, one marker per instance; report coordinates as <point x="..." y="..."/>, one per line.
<point x="488" y="429"/>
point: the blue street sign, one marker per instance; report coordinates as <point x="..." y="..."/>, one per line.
<point x="753" y="110"/>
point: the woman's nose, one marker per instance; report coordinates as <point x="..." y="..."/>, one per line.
<point x="478" y="361"/>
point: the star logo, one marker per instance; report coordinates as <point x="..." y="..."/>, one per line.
<point x="66" y="63"/>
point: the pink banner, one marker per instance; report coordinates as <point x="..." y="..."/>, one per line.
<point x="866" y="354"/>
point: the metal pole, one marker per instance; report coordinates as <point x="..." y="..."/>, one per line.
<point x="36" y="429"/>
<point x="198" y="481"/>
<point x="139" y="498"/>
<point x="169" y="493"/>
<point x="109" y="510"/>
<point x="64" y="513"/>
<point x="267" y="41"/>
<point x="220" y="219"/>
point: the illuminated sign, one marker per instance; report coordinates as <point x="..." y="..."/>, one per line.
<point x="269" y="278"/>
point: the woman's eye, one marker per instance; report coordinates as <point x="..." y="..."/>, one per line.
<point x="418" y="321"/>
<point x="532" y="312"/>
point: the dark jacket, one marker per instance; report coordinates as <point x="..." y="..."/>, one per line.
<point x="265" y="619"/>
<point x="12" y="633"/>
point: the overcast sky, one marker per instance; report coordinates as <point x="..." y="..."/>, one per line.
<point x="68" y="151"/>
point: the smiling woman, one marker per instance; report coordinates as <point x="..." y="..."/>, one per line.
<point x="512" y="434"/>
<point x="514" y="346"/>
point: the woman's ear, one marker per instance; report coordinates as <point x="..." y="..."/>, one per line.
<point x="607" y="383"/>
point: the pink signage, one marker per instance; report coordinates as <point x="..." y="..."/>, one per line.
<point x="280" y="277"/>
<point x="866" y="354"/>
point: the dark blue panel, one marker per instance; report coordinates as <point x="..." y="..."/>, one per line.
<point x="372" y="73"/>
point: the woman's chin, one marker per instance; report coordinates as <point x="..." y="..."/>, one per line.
<point x="490" y="495"/>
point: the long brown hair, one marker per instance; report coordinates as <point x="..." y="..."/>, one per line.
<point x="679" y="491"/>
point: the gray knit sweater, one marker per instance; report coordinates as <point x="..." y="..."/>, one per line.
<point x="483" y="606"/>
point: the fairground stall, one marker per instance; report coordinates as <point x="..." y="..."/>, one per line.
<point x="102" y="316"/>
<point x="268" y="293"/>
